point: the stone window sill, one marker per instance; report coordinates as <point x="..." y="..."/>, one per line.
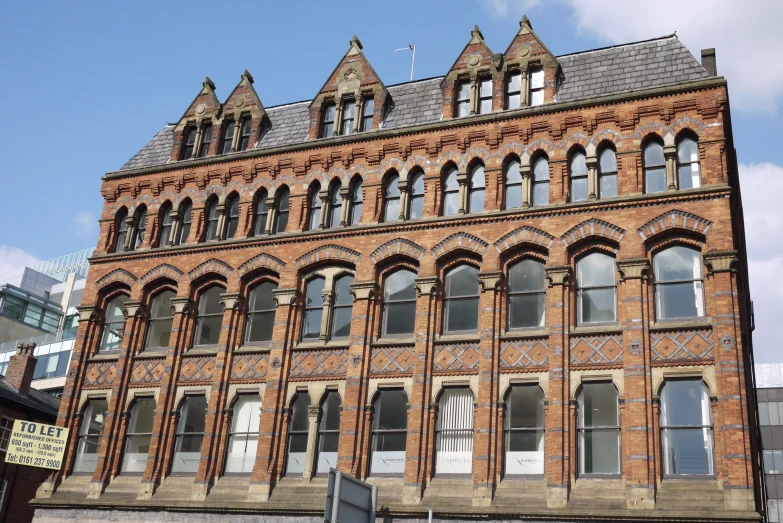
<point x="597" y="329"/>
<point x="151" y="354"/>
<point x="468" y="337"/>
<point x="391" y="342"/>
<point x="106" y="356"/>
<point x="332" y="344"/>
<point x="261" y="347"/>
<point x="202" y="350"/>
<point x="691" y="323"/>
<point x="524" y="333"/>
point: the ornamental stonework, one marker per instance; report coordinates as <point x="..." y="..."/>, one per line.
<point x="197" y="369"/>
<point x="250" y="367"/>
<point x="392" y="360"/>
<point x="596" y="350"/>
<point x="457" y="357"/>
<point x="148" y="371"/>
<point x="524" y="353"/>
<point x="100" y="373"/>
<point x="313" y="363"/>
<point x="682" y="345"/>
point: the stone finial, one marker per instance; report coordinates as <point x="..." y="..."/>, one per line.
<point x="247" y="76"/>
<point x="525" y="22"/>
<point x="356" y="43"/>
<point x="476" y="33"/>
<point x="209" y="84"/>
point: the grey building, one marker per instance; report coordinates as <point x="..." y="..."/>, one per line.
<point x="769" y="392"/>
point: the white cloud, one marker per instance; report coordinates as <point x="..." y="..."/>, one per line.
<point x="84" y="223"/>
<point x="504" y="8"/>
<point x="14" y="258"/>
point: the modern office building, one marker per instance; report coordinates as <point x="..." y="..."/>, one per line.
<point x="515" y="291"/>
<point x="769" y="393"/>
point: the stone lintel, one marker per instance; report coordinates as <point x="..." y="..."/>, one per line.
<point x="490" y="281"/>
<point x="427" y="286"/>
<point x="560" y="275"/>
<point x="364" y="290"/>
<point x="181" y="305"/>
<point x="633" y="268"/>
<point x="231" y="300"/>
<point x="720" y="261"/>
<point x="285" y="296"/>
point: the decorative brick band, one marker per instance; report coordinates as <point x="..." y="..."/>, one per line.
<point x="117" y="275"/>
<point x="328" y="252"/>
<point x="529" y="235"/>
<point x="398" y="246"/>
<point x="596" y="350"/>
<point x="391" y="360"/>
<point x="593" y="228"/>
<point x="524" y="353"/>
<point x="461" y="240"/>
<point x="161" y="271"/>
<point x="674" y="220"/>
<point x="682" y="345"/>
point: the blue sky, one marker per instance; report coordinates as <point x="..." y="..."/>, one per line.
<point x="87" y="84"/>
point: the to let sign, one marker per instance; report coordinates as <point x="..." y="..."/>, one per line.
<point x="37" y="445"/>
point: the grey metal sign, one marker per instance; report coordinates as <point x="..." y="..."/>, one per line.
<point x="349" y="500"/>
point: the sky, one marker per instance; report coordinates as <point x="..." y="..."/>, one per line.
<point x="87" y="84"/>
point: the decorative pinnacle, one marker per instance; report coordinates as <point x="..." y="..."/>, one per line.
<point x="209" y="83"/>
<point x="247" y="76"/>
<point x="525" y="22"/>
<point x="356" y="43"/>
<point x="476" y="32"/>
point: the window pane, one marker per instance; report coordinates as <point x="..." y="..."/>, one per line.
<point x="389" y="442"/>
<point x="193" y="414"/>
<point x="282" y="213"/>
<point x="299" y="416"/>
<point x="763" y="414"/>
<point x="401" y="285"/>
<point x="513" y="196"/>
<point x="541" y="193"/>
<point x="209" y="301"/>
<point x="391" y="410"/>
<point x="450" y="204"/>
<point x="400" y="318"/>
<point x="537" y="97"/>
<point x="462" y="314"/>
<point x="159" y="333"/>
<point x="608" y="186"/>
<point x="451" y="181"/>
<point x="260" y="326"/>
<point x="417" y="206"/>
<point x="653" y="155"/>
<point x="514" y="101"/>
<point x="536" y="78"/>
<point x="136" y="453"/>
<point x="392" y="210"/>
<point x="687" y="451"/>
<point x="679" y="300"/>
<point x="684" y="403"/>
<point x="514" y="83"/>
<point x="595" y="270"/>
<point x="578" y="165"/>
<point x="454" y="445"/>
<point x="209" y="330"/>
<point x="677" y="263"/>
<point x="463" y="92"/>
<point x="608" y="161"/>
<point x="485" y="106"/>
<point x="341" y="322"/>
<point x="142" y="415"/>
<point x="233" y="217"/>
<point x="526" y="310"/>
<point x="462" y="281"/>
<point x="512" y="173"/>
<point x="525" y="407"/>
<point x="330" y="419"/>
<point x="655" y="180"/>
<point x="356" y="208"/>
<point x="527" y="275"/>
<point x="578" y="189"/>
<point x="262" y="297"/>
<point x="598" y="405"/>
<point x="596" y="305"/>
<point x="241" y="453"/>
<point x="476" y="200"/>
<point x="600" y="452"/>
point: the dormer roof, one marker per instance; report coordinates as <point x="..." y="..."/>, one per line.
<point x="244" y="99"/>
<point x="526" y="46"/>
<point x="352" y="74"/>
<point x="204" y="105"/>
<point x="475" y="55"/>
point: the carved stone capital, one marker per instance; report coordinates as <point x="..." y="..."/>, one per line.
<point x="181" y="305"/>
<point x="524" y="170"/>
<point x="558" y="275"/>
<point x="231" y="300"/>
<point x="364" y="290"/>
<point x="133" y="309"/>
<point x="345" y="193"/>
<point x="669" y="151"/>
<point x="427" y="286"/>
<point x="271" y="202"/>
<point x="88" y="312"/>
<point x="720" y="261"/>
<point x="591" y="161"/>
<point x="313" y="411"/>
<point x="462" y="178"/>
<point x="490" y="281"/>
<point x="633" y="269"/>
<point x="285" y="296"/>
<point x="328" y="297"/>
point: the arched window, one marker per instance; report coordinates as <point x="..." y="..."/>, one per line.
<point x="679" y="291"/>
<point x="343" y="306"/>
<point x="90" y="433"/>
<point x="524" y="430"/>
<point x="209" y="317"/>
<point x="113" y="323"/>
<point x="526" y="294"/>
<point x="335" y="206"/>
<point x="190" y="434"/>
<point x="513" y="185"/>
<point x="461" y="301"/>
<point x="313" y="309"/>
<point x="356" y="202"/>
<point x="243" y="435"/>
<point x="476" y="190"/>
<point x="329" y="432"/>
<point x="232" y="204"/>
<point x="283" y="207"/>
<point x="140" y="228"/>
<point x="596" y="289"/>
<point x="138" y="435"/>
<point x="599" y="429"/>
<point x="450" y="193"/>
<point x="389" y="432"/>
<point x="417" y="196"/>
<point x="262" y="211"/>
<point x="454" y="432"/>
<point x="391" y="198"/>
<point x="607" y="173"/>
<point x="688" y="172"/>
<point x="165" y="225"/>
<point x="399" y="303"/>
<point x="686" y="428"/>
<point x="121" y="225"/>
<point x="260" y="321"/>
<point x="577" y="172"/>
<point x="298" y="429"/>
<point x="654" y="168"/>
<point x="184" y="228"/>
<point x="541" y="181"/>
<point x="212" y="220"/>
<point x="160" y="321"/>
<point x="314" y="219"/>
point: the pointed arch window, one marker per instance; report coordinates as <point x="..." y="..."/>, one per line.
<point x="212" y="220"/>
<point x="356" y="202"/>
<point x="244" y="133"/>
<point x="598" y="429"/>
<point x="166" y="223"/>
<point x="688" y="172"/>
<point x="607" y="173"/>
<point x="283" y="208"/>
<point x="139" y="228"/>
<point x="450" y="193"/>
<point x="183" y="231"/>
<point x="417" y="196"/>
<point x="327" y="120"/>
<point x="138" y="435"/>
<point x="243" y="434"/>
<point x="596" y="289"/>
<point x="513" y="185"/>
<point x="328" y="432"/>
<point x="524" y="430"/>
<point x="654" y="168"/>
<point x="679" y="289"/>
<point x="476" y="189"/>
<point x="454" y="432"/>
<point x="399" y="303"/>
<point x="90" y="433"/>
<point x="121" y="224"/>
<point x="314" y="219"/>
<point x="209" y="317"/>
<point x="578" y="175"/>
<point x="391" y="197"/>
<point x="526" y="294"/>
<point x="232" y="204"/>
<point x="191" y="425"/>
<point x="348" y="117"/>
<point x="389" y="432"/>
<point x="298" y="431"/>
<point x="188" y="142"/>
<point x="343" y="307"/>
<point x="686" y="428"/>
<point x="461" y="301"/>
<point x="367" y="114"/>
<point x="113" y="324"/>
<point x="262" y="211"/>
<point x="335" y="206"/>
<point x="228" y="137"/>
<point x="313" y="309"/>
<point x="261" y="308"/>
<point x="160" y="322"/>
<point x="206" y="140"/>
<point x="541" y="181"/>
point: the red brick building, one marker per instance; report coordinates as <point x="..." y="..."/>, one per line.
<point x="515" y="291"/>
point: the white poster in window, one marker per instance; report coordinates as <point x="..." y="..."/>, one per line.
<point x="388" y="462"/>
<point x="454" y="462"/>
<point x="525" y="462"/>
<point x="296" y="463"/>
<point x="186" y="461"/>
<point x="134" y="462"/>
<point x="326" y="460"/>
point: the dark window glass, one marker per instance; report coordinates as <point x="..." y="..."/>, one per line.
<point x="228" y="137"/>
<point x="188" y="141"/>
<point x="679" y="291"/>
<point x="206" y="140"/>
<point x="244" y="134"/>
<point x="541" y="182"/>
<point x="654" y="168"/>
<point x="298" y="427"/>
<point x="328" y="433"/>
<point x="313" y="309"/>
<point x="369" y="110"/>
<point x="243" y="434"/>
<point x="578" y="175"/>
<point x="160" y="321"/>
<point x="315" y="207"/>
<point x="335" y="206"/>
<point x="121" y="224"/>
<point x="327" y="125"/>
<point x="165" y="225"/>
<point x="233" y="216"/>
<point x="343" y="306"/>
<point x="138" y="435"/>
<point x="688" y="171"/>
<point x="90" y="433"/>
<point x="13" y="307"/>
<point x="524" y="430"/>
<point x="212" y="220"/>
<point x="450" y="193"/>
<point x="513" y="91"/>
<point x="536" y="86"/>
<point x="389" y="432"/>
<point x="596" y="294"/>
<point x="454" y="432"/>
<point x="686" y="428"/>
<point x="599" y="429"/>
<point x="513" y="185"/>
<point x="348" y="117"/>
<point x="391" y="197"/>
<point x="140" y="229"/>
<point x="485" y="96"/>
<point x="209" y="318"/>
<point x="190" y="434"/>
<point x="417" y="196"/>
<point x="476" y="190"/>
<point x="261" y="306"/>
<point x="282" y="211"/>
<point x="262" y="211"/>
<point x="463" y="98"/>
<point x="607" y="174"/>
<point x="399" y="303"/>
<point x="526" y="294"/>
<point x="356" y="202"/>
<point x="113" y="324"/>
<point x="184" y="228"/>
<point x="462" y="299"/>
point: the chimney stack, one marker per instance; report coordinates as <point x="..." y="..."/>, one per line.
<point x="708" y="61"/>
<point x="19" y="373"/>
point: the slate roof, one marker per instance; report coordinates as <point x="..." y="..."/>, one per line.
<point x="44" y="404"/>
<point x="611" y="70"/>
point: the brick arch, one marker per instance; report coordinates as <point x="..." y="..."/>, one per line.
<point x="524" y="235"/>
<point x="286" y="180"/>
<point x="116" y="276"/>
<point x="417" y="161"/>
<point x="592" y="228"/>
<point x="460" y="241"/>
<point x="161" y="271"/>
<point x="450" y="156"/>
<point x="475" y="155"/>
<point x="606" y="135"/>
<point x="358" y="169"/>
<point x="218" y="190"/>
<point x="211" y="266"/>
<point x="400" y="246"/>
<point x="318" y="175"/>
<point x="262" y="261"/>
<point x="644" y="132"/>
<point x="511" y="148"/>
<point x="186" y="194"/>
<point x="391" y="163"/>
<point x="674" y="220"/>
<point x="327" y="252"/>
<point x="239" y="187"/>
<point x="576" y="139"/>
<point x="688" y="123"/>
<point x="540" y="145"/>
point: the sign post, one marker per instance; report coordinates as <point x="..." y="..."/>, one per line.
<point x="37" y="445"/>
<point x="349" y="500"/>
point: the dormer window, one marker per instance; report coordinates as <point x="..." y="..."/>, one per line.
<point x="228" y="137"/>
<point x="536" y="86"/>
<point x="244" y="133"/>
<point x="327" y="124"/>
<point x="514" y="91"/>
<point x="485" y="96"/>
<point x="463" y="99"/>
<point x="189" y="142"/>
<point x="349" y="114"/>
<point x="206" y="140"/>
<point x="367" y="114"/>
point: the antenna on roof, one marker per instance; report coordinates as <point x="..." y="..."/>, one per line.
<point x="411" y="47"/>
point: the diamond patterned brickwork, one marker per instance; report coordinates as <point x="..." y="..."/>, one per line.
<point x="456" y="357"/>
<point x="524" y="353"/>
<point x="147" y="371"/>
<point x="597" y="350"/>
<point x="682" y="345"/>
<point x="100" y="374"/>
<point x="197" y="369"/>
<point x="311" y="363"/>
<point x="391" y="360"/>
<point x="250" y="367"/>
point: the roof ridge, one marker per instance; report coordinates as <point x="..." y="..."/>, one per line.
<point x="673" y="35"/>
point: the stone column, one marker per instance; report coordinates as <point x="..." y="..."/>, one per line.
<point x="670" y="157"/>
<point x="222" y="210"/>
<point x="524" y="92"/>
<point x="524" y="170"/>
<point x="131" y="231"/>
<point x="558" y="423"/>
<point x="474" y="94"/>
<point x="404" y="185"/>
<point x="326" y="317"/>
<point x="197" y="141"/>
<point x="592" y="177"/>
<point x="237" y="130"/>
<point x="338" y="117"/>
<point x="417" y="451"/>
<point x="176" y="224"/>
<point x="313" y="416"/>
<point x="326" y="202"/>
<point x="462" y="180"/>
<point x="357" y="113"/>
<point x="271" y="204"/>
<point x="345" y="194"/>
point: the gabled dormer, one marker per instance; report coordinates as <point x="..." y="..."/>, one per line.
<point x="530" y="70"/>
<point x="352" y="99"/>
<point x="469" y="86"/>
<point x="243" y="119"/>
<point x="194" y="131"/>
